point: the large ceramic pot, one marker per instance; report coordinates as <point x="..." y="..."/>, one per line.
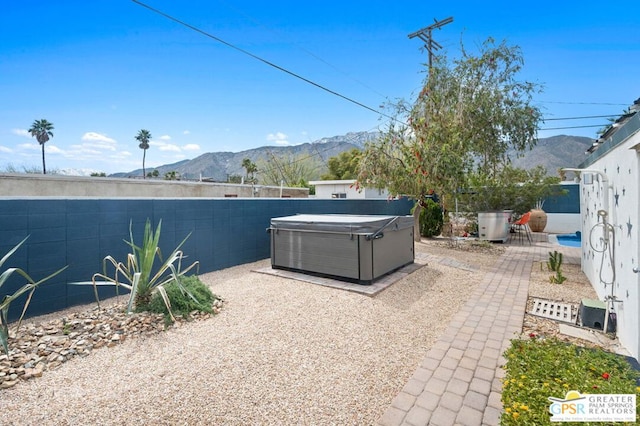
<point x="538" y="220"/>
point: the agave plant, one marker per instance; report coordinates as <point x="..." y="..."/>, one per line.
<point x="5" y="303"/>
<point x="138" y="275"/>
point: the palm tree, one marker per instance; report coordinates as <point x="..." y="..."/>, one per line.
<point x="42" y="131"/>
<point x="251" y="169"/>
<point x="143" y="137"/>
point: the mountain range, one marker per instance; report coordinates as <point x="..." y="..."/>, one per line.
<point x="552" y="153"/>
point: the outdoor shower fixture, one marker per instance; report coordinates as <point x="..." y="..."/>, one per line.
<point x="607" y="240"/>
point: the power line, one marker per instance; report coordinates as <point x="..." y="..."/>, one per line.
<point x="307" y="51"/>
<point x="582" y="103"/>
<point x="580" y="118"/>
<point x="271" y="64"/>
<point x="574" y="127"/>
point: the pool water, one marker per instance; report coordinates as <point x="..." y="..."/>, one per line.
<point x="570" y="240"/>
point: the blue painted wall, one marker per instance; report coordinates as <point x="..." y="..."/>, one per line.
<point x="81" y="232"/>
<point x="568" y="203"/>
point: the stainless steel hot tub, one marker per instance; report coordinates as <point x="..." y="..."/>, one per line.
<point x="354" y="248"/>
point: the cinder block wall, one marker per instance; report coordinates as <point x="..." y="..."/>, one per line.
<point x="33" y="185"/>
<point x="81" y="232"/>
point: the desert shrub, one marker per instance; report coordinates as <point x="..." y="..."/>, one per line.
<point x="431" y="219"/>
<point x="191" y="295"/>
<point x="138" y="274"/>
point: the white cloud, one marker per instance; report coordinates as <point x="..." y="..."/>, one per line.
<point x="29" y="146"/>
<point x="191" y="147"/>
<point x="52" y="149"/>
<point x="186" y="132"/>
<point x="97" y="137"/>
<point x="21" y="132"/>
<point x="163" y="146"/>
<point x="5" y="149"/>
<point x="85" y="150"/>
<point x="97" y="141"/>
<point x="278" y="138"/>
<point x="165" y="137"/>
<point x="169" y="147"/>
<point x="94" y="148"/>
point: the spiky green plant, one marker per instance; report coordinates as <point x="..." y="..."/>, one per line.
<point x="555" y="261"/>
<point x="7" y="299"/>
<point x="555" y="264"/>
<point x="138" y="274"/>
<point x="558" y="278"/>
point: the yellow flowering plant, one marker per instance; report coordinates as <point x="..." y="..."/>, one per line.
<point x="548" y="367"/>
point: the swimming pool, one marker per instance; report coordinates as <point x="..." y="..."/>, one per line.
<point x="570" y="240"/>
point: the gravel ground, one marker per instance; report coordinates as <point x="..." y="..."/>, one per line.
<point x="280" y="352"/>
<point x="573" y="290"/>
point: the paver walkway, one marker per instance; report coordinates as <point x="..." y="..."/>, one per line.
<point x="459" y="380"/>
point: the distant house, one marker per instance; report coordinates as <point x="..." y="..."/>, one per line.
<point x="610" y="214"/>
<point x="346" y="189"/>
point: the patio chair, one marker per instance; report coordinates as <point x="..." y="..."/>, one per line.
<point x="521" y="227"/>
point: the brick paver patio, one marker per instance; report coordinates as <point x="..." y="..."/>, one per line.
<point x="459" y="380"/>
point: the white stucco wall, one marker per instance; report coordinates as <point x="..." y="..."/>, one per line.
<point x="563" y="223"/>
<point x="325" y="189"/>
<point x="619" y="197"/>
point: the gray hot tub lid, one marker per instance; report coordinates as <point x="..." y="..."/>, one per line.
<point x="350" y="224"/>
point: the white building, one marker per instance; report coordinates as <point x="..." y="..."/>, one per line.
<point x="610" y="214"/>
<point x="346" y="189"/>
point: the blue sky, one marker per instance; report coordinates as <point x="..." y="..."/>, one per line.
<point x="101" y="70"/>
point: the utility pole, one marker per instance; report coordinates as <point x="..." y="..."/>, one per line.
<point x="424" y="34"/>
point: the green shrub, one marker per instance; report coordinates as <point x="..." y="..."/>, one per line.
<point x="192" y="295"/>
<point x="431" y="219"/>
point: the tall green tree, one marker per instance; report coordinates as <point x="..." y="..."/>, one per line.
<point x="42" y="131"/>
<point x="143" y="137"/>
<point x="469" y="113"/>
<point x="343" y="166"/>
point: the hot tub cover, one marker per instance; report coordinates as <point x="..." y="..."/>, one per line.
<point x="347" y="224"/>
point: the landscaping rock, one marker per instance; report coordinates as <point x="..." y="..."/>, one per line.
<point x="38" y="347"/>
